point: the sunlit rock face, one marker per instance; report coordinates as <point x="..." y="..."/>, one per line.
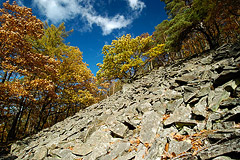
<point x="187" y="110"/>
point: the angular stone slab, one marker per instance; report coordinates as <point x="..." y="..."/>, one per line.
<point x="99" y="151"/>
<point x="119" y="129"/>
<point x="150" y="125"/>
<point x="181" y="114"/>
<point x="200" y="107"/>
<point x="82" y="149"/>
<point x="231" y="146"/>
<point x="179" y="146"/>
<point x="41" y="153"/>
<point x="216" y="97"/>
<point x="117" y="151"/>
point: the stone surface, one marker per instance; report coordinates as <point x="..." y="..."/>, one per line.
<point x="82" y="149"/>
<point x="41" y="153"/>
<point x="200" y="107"/>
<point x="152" y="114"/>
<point x="119" y="129"/>
<point x="216" y="97"/>
<point x="229" y="147"/>
<point x="179" y="147"/>
<point x="117" y="151"/>
<point x="181" y="114"/>
<point x="150" y="125"/>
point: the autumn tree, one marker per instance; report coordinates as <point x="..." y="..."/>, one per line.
<point x="43" y="79"/>
<point x="75" y="85"/>
<point x="19" y="65"/>
<point x="125" y="57"/>
<point x="122" y="58"/>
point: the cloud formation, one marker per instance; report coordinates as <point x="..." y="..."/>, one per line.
<point x="136" y="4"/>
<point x="58" y="11"/>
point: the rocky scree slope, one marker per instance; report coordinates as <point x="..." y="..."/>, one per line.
<point x="188" y="110"/>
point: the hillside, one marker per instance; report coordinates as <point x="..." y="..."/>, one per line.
<point x="188" y="110"/>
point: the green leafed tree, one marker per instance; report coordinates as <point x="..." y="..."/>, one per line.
<point x="189" y="19"/>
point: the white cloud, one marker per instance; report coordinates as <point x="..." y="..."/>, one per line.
<point x="57" y="11"/>
<point x="108" y="24"/>
<point x="136" y="4"/>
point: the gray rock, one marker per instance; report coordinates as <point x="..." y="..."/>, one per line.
<point x="224" y="134"/>
<point x="128" y="156"/>
<point x="201" y="126"/>
<point x="230" y="103"/>
<point x="204" y="90"/>
<point x="69" y="156"/>
<point x="190" y="89"/>
<point x="159" y="108"/>
<point x="82" y="149"/>
<point x="200" y="107"/>
<point x="222" y="158"/>
<point x="99" y="137"/>
<point x="224" y="125"/>
<point x="172" y="105"/>
<point x="144" y="107"/>
<point x="199" y="93"/>
<point x="216" y="97"/>
<point x="157" y="149"/>
<point x="181" y="114"/>
<point x="141" y="152"/>
<point x="172" y="95"/>
<point x="186" y="131"/>
<point x="186" y="78"/>
<point x="233" y="115"/>
<point x="119" y="129"/>
<point x="60" y="153"/>
<point x="178" y="147"/>
<point x="127" y="87"/>
<point x="189" y="95"/>
<point x="207" y="60"/>
<point x="117" y="151"/>
<point x="99" y="151"/>
<point x="40" y="153"/>
<point x="167" y="131"/>
<point x="228" y="147"/>
<point x="150" y="124"/>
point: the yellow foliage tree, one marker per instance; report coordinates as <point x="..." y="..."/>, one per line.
<point x="75" y="84"/>
<point x="125" y="57"/>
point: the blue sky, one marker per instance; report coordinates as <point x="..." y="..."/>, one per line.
<point x="98" y="22"/>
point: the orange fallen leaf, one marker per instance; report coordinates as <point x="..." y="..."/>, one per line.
<point x="165" y="116"/>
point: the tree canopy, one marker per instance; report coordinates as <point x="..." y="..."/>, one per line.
<point x="208" y="20"/>
<point x="43" y="79"/>
<point x="125" y="57"/>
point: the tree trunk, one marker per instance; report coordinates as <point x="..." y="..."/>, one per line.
<point x="208" y="38"/>
<point x="28" y="117"/>
<point x="12" y="132"/>
<point x="4" y="77"/>
<point x="45" y="120"/>
<point x="4" y="127"/>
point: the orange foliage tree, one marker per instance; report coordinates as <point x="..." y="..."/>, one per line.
<point x="42" y="79"/>
<point x="19" y="65"/>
